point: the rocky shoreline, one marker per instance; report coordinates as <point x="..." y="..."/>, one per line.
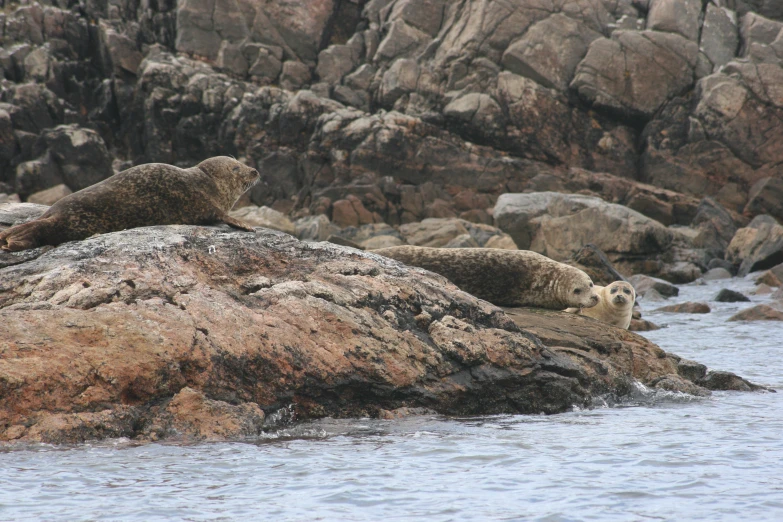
<point x="191" y="332"/>
<point x="630" y="138"/>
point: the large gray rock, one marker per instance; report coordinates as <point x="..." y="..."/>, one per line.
<point x="264" y="217"/>
<point x="202" y="25"/>
<point x="558" y="225"/>
<point x="550" y="50"/>
<point x="743" y="109"/>
<point x="757" y="31"/>
<point x="715" y="227"/>
<point x="719" y="35"/>
<point x="636" y="72"/>
<point x="335" y="62"/>
<point x="478" y="111"/>
<point x="675" y="16"/>
<point x="295" y="75"/>
<point x="758" y="246"/>
<point x="766" y="197"/>
<point x="299" y="29"/>
<point x="66" y="154"/>
<point x="121" y="53"/>
<point x="424" y="15"/>
<point x="401" y="39"/>
<point x="644" y="285"/>
<point x="264" y="62"/>
<point x="401" y="78"/>
<point x="37" y="175"/>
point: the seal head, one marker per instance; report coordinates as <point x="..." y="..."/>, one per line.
<point x="231" y="177"/>
<point x="615" y="306"/>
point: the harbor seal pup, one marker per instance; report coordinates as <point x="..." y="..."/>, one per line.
<point x="144" y="195"/>
<point x="503" y="277"/>
<point x="615" y="306"/>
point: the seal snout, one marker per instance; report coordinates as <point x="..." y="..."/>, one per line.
<point x="620" y="299"/>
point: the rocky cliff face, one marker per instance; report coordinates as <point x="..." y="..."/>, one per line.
<point x="428" y="108"/>
<point x="206" y="332"/>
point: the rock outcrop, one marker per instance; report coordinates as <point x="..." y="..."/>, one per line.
<point x="415" y="109"/>
<point x="758" y="246"/>
<point x="206" y="332"/>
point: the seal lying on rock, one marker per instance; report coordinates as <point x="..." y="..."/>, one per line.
<point x="150" y="194"/>
<point x="503" y="277"/>
<point x="615" y="306"/>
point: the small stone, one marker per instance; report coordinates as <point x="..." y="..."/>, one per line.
<point x="730" y="296"/>
<point x="691" y="370"/>
<point x="643" y="284"/>
<point x="50" y="196"/>
<point x="686" y="308"/>
<point x="760" y="312"/>
<point x="314" y="228"/>
<point x="763" y="289"/>
<point x="714" y="274"/>
<point x="462" y="241"/>
<point x="720" y="263"/>
<point x="676" y="383"/>
<point x="717" y="380"/>
<point x="264" y="217"/>
<point x="642" y="325"/>
<point x="768" y="278"/>
<point x="377" y="242"/>
<point x="503" y="241"/>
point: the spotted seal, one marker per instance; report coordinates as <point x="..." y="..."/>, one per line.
<point x="503" y="277"/>
<point x="144" y="195"/>
<point x="615" y="305"/>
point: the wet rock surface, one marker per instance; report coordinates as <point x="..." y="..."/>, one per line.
<point x="686" y="308"/>
<point x="760" y="312"/>
<point x="730" y="296"/>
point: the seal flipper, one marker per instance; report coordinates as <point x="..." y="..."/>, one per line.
<point x="233" y="222"/>
<point x="25" y="236"/>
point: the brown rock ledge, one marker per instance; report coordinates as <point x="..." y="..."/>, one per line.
<point x="202" y="332"/>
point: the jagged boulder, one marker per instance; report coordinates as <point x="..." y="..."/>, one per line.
<point x="559" y="225"/>
<point x="636" y="72"/>
<point x="756" y="247"/>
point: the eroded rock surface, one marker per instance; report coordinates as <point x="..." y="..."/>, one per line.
<point x="202" y="332"/>
<point x="416" y="109"/>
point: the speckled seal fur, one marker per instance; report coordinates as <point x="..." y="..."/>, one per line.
<point x="150" y="194"/>
<point x="615" y="306"/>
<point x="503" y="277"/>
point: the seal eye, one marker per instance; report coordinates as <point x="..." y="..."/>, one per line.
<point x="626" y="291"/>
<point x="613" y="290"/>
<point x="578" y="291"/>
